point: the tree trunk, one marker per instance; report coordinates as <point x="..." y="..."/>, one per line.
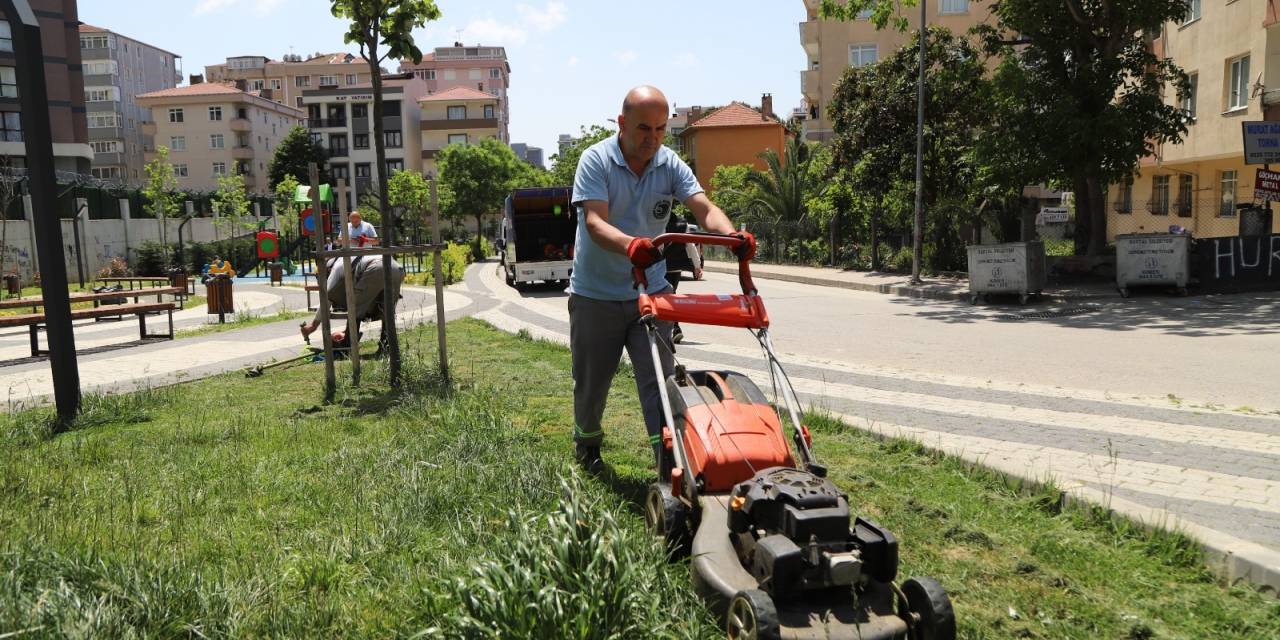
<point x="1097" y="217"/>
<point x="835" y="219"/>
<point x="1084" y="214"/>
<point x="479" y="232"/>
<point x="389" y="222"/>
<point x="875" y="239"/>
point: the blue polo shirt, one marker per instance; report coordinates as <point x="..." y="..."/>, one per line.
<point x="638" y="206"/>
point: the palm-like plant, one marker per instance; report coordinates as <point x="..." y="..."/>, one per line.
<point x="780" y="192"/>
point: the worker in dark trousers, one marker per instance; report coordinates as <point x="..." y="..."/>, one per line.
<point x="680" y="257"/>
<point x="367" y="286"/>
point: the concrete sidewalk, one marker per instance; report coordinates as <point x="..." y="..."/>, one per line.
<point x="935" y="288"/>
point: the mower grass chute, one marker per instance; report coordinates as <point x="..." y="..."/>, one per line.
<point x="774" y="549"/>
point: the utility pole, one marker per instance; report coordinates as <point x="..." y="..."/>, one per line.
<point x="33" y="97"/>
<point x="917" y="240"/>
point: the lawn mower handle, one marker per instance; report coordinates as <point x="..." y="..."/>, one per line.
<point x="730" y="240"/>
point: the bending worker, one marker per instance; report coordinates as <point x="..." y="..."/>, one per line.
<point x="624" y="190"/>
<point x="368" y="287"/>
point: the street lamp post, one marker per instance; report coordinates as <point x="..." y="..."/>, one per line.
<point x="36" y="133"/>
<point x="917" y="241"/>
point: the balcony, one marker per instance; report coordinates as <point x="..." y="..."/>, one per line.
<point x="429" y="154"/>
<point x="242" y="153"/>
<point x="326" y="123"/>
<point x="148" y="128"/>
<point x="809" y="37"/>
<point x="810" y="85"/>
<point x="337" y="152"/>
<point x="465" y="123"/>
<point x="107" y="159"/>
<point x="241" y="125"/>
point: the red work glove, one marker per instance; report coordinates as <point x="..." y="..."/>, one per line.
<point x="746" y="250"/>
<point x="642" y="253"/>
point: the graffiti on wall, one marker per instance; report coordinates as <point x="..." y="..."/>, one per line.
<point x="1239" y="262"/>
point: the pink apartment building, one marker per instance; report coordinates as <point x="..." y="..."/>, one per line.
<point x="481" y="68"/>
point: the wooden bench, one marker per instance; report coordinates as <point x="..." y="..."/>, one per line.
<point x="99" y="299"/>
<point x="34" y="321"/>
<point x="149" y="281"/>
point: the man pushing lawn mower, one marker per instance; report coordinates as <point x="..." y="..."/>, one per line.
<point x="624" y="191"/>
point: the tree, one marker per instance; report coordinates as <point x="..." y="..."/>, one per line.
<point x="731" y="190"/>
<point x="410" y="191"/>
<point x="1091" y="93"/>
<point x="232" y="202"/>
<point x="478" y="178"/>
<point x="160" y="190"/>
<point x="873" y="111"/>
<point x="10" y="188"/>
<point x="389" y="24"/>
<point x="564" y="166"/>
<point x="782" y="191"/>
<point x="294" y="157"/>
<point x="282" y="200"/>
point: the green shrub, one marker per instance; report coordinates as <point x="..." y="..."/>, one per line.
<point x="453" y="265"/>
<point x="900" y="261"/>
<point x="151" y="260"/>
<point x="115" y="267"/>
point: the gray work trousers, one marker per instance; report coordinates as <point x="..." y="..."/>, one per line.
<point x="598" y="332"/>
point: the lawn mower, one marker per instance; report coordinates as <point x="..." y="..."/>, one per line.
<point x="775" y="552"/>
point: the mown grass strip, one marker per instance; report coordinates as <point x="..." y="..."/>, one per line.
<point x="238" y="507"/>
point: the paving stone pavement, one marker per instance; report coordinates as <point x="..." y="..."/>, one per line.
<point x="1214" y="474"/>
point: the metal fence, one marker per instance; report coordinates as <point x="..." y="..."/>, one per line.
<point x="104" y="202"/>
<point x="1208" y="217"/>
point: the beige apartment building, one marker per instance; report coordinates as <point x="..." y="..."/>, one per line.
<point x="456" y="116"/>
<point x="1227" y="49"/>
<point x="483" y="69"/>
<point x="214" y="129"/>
<point x="833" y="46"/>
<point x="286" y="80"/>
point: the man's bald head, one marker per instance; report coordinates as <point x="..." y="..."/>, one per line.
<point x="644" y="96"/>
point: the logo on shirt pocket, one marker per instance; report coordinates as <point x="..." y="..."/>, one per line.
<point x="661" y="209"/>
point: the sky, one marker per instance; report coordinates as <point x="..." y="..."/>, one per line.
<point x="572" y="61"/>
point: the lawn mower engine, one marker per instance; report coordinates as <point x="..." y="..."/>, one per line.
<point x="791" y="531"/>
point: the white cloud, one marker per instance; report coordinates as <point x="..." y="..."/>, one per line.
<point x="490" y="31"/>
<point x="545" y="19"/>
<point x="625" y="57"/>
<point x="573" y="61"/>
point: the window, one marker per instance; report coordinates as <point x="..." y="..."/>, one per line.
<point x="1189" y="100"/>
<point x="473" y="74"/>
<point x="1193" y="11"/>
<point x="362" y="170"/>
<point x="215" y="113"/>
<point x="97" y="41"/>
<point x="351" y="79"/>
<point x="450" y="74"/>
<point x="100" y="68"/>
<point x="338" y="144"/>
<point x="175" y="115"/>
<point x="219" y="169"/>
<point x="180" y="170"/>
<point x="103" y="119"/>
<point x="177" y="143"/>
<point x="316" y="138"/>
<point x="91" y="94"/>
<point x="1238" y="90"/>
<point x="394" y="166"/>
<point x="861" y="55"/>
<point x="275" y="84"/>
<point x="242" y="140"/>
<point x="359" y="111"/>
<point x="105" y="173"/>
<point x="1183" y="205"/>
<point x="302" y="81"/>
<point x="488" y="111"/>
<point x="391" y="108"/>
<point x="105" y="146"/>
<point x="953" y="6"/>
<point x="6" y="36"/>
<point x="457" y="112"/>
<point x="9" y="83"/>
<point x="457" y="138"/>
<point x="257" y="85"/>
<point x="216" y="141"/>
<point x="298" y="102"/>
<point x="360" y="141"/>
<point x="1159" y="204"/>
<point x="495" y="73"/>
<point x="1227" y="209"/>
<point x="392" y="139"/>
<point x="328" y="81"/>
<point x="11" y="126"/>
<point x="340" y="171"/>
<point x="429" y="74"/>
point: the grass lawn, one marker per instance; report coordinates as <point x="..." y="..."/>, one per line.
<point x="243" y="319"/>
<point x="243" y="507"/>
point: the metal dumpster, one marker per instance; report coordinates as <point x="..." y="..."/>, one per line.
<point x="1153" y="259"/>
<point x="1009" y="268"/>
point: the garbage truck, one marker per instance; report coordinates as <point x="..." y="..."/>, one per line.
<point x="536" y="240"/>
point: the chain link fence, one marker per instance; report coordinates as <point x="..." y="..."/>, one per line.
<point x="1208" y="217"/>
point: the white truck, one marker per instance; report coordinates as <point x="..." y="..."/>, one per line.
<point x="536" y="241"/>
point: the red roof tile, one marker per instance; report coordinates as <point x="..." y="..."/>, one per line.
<point x="736" y="114"/>
<point x="88" y="28"/>
<point x="459" y="93"/>
<point x="202" y="89"/>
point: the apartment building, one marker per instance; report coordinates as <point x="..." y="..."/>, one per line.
<point x="116" y="70"/>
<point x="531" y="155"/>
<point x="213" y="129"/>
<point x="1227" y="49"/>
<point x="833" y="46"/>
<point x="64" y="87"/>
<point x="289" y="78"/>
<point x="456" y="116"/>
<point x="481" y="68"/>
<point x="340" y="119"/>
<point x="733" y="134"/>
